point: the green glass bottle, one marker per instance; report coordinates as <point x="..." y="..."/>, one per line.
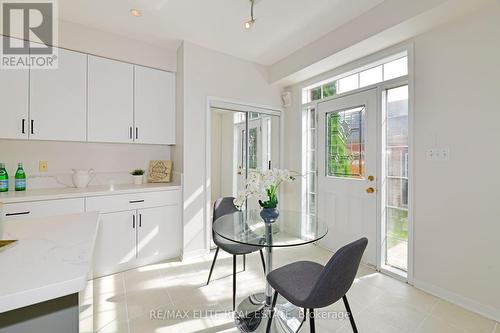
<point x="4" y="179"/>
<point x="20" y="183"/>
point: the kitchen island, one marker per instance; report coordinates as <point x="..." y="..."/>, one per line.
<point x="43" y="272"/>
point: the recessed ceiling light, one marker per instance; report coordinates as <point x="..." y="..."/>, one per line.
<point x="135" y="12"/>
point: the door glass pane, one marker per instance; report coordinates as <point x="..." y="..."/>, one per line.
<point x="252" y="148"/>
<point x="345" y="143"/>
<point x="396" y="173"/>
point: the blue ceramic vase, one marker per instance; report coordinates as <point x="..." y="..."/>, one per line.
<point x="269" y="215"/>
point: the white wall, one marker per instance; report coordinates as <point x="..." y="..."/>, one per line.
<point x="209" y="73"/>
<point x="457" y="229"/>
<point x="112" y="162"/>
<point x="87" y="40"/>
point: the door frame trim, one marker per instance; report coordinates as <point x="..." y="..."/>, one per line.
<point x="235" y="106"/>
<point x="404" y="80"/>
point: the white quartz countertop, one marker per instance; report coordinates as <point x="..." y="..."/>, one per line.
<point x="91" y="191"/>
<point x="52" y="258"/>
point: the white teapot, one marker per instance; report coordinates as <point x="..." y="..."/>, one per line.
<point x="82" y="178"/>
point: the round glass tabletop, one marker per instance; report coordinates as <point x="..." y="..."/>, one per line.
<point x="291" y="229"/>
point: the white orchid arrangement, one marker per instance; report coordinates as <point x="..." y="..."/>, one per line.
<point x="263" y="185"/>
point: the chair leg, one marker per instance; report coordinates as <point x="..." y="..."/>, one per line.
<point x="234" y="282"/>
<point x="263" y="261"/>
<point x="349" y="313"/>
<point x="244" y="262"/>
<point x="275" y="298"/>
<point x="311" y="321"/>
<point x="213" y="264"/>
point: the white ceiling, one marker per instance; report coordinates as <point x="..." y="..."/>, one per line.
<point x="282" y="27"/>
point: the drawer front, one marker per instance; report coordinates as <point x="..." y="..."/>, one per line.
<point x="35" y="209"/>
<point x="122" y="202"/>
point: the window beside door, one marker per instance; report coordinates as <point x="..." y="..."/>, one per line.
<point x="396" y="177"/>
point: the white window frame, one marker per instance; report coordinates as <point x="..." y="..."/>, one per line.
<point x="346" y="70"/>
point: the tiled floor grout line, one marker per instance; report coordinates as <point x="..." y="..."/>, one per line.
<point x="427" y="316"/>
<point x="126" y="306"/>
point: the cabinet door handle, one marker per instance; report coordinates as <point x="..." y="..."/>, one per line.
<point x="23" y="125"/>
<point x="140" y="220"/>
<point x="136" y="201"/>
<point x="131" y="133"/>
<point x="137" y="133"/>
<point x="133" y="221"/>
<point x="16" y="214"/>
<point x="32" y="126"/>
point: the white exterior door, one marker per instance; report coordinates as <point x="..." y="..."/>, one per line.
<point x="347" y="166"/>
<point x="154" y="106"/>
<point x="58" y="99"/>
<point x="110" y="100"/>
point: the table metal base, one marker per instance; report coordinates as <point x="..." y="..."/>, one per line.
<point x="252" y="315"/>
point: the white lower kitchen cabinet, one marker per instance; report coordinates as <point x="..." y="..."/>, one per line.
<point x="137" y="237"/>
<point x="45" y="208"/>
<point x="136" y="229"/>
<point x="116" y="240"/>
<point x="159" y="232"/>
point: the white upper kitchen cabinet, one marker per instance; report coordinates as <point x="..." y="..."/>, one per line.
<point x="154" y="106"/>
<point x="110" y="100"/>
<point x="14" y="98"/>
<point x="58" y="99"/>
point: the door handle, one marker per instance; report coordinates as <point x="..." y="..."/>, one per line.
<point x="133" y="221"/>
<point x="370" y="190"/>
<point x="32" y="126"/>
<point x="140" y="220"/>
<point x="23" y="125"/>
<point x="137" y="133"/>
<point x="131" y="137"/>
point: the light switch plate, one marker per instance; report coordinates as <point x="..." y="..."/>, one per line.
<point x="438" y="154"/>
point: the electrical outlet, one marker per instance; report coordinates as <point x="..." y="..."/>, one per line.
<point x="43" y="166"/>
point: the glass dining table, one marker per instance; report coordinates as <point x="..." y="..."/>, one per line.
<point x="290" y="229"/>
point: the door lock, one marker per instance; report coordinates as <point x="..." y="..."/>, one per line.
<point x="370" y="190"/>
<point x="371" y="178"/>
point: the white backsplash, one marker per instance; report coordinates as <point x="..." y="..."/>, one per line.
<point x="112" y="162"/>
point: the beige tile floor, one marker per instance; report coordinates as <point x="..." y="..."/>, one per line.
<point x="380" y="304"/>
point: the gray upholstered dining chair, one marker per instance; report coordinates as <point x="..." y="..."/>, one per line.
<point x="310" y="285"/>
<point x="225" y="206"/>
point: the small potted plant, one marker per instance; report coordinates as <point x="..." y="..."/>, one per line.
<point x="264" y="185"/>
<point x="138" y="175"/>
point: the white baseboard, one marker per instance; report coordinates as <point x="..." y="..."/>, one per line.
<point x="194" y="254"/>
<point x="467" y="303"/>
